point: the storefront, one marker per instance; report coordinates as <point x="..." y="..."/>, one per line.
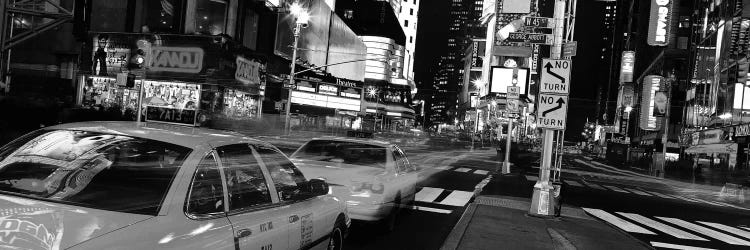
<point x="186" y="79"/>
<point x="326" y="102"/>
<point x="713" y="148"/>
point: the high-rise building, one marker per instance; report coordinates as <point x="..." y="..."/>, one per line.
<point x="408" y="12"/>
<point x="610" y="44"/>
<point x="448" y="77"/>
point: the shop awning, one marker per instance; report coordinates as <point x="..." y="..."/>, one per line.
<point x="725" y="148"/>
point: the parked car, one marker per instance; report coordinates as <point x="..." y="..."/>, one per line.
<point x="124" y="185"/>
<point x="375" y="178"/>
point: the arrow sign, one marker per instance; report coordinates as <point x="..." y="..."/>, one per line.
<point x="555" y="76"/>
<point x="560" y="103"/>
<point x="549" y="71"/>
<point x="552" y="111"/>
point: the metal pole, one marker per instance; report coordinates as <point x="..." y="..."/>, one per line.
<point x="140" y="102"/>
<point x="506" y="163"/>
<point x="665" y="136"/>
<point x="542" y="199"/>
<point x="287" y="124"/>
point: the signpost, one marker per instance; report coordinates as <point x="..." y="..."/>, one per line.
<point x="555" y="76"/>
<point x="570" y="49"/>
<point x="552" y="111"/>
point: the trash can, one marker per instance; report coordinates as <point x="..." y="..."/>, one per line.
<point x="557" y="197"/>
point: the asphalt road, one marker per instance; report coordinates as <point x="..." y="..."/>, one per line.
<point x="662" y="214"/>
<point x="449" y="174"/>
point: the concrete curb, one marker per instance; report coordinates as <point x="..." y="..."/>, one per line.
<point x="454" y="238"/>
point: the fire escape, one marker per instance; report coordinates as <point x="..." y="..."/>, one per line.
<point x="22" y="20"/>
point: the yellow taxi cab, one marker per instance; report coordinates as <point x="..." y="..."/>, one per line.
<point x="128" y="185"/>
<point x="374" y="177"/>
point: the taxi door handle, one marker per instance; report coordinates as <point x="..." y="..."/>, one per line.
<point x="293" y="218"/>
<point x="242" y="233"/>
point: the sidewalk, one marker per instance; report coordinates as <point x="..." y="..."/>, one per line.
<point x="498" y="219"/>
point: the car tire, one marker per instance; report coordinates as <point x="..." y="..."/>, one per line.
<point x="336" y="241"/>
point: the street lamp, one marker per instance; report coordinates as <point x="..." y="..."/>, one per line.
<point x="301" y="18"/>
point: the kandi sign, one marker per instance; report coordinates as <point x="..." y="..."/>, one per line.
<point x="660" y="23"/>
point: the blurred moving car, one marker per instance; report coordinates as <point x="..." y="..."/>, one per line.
<point x="374" y="178"/>
<point x="105" y="185"/>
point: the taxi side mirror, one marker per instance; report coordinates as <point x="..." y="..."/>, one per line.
<point x="318" y="187"/>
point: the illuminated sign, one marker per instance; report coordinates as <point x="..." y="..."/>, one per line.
<point x="248" y="71"/>
<point x="651" y="84"/>
<point x="176" y="59"/>
<point x="660" y="25"/>
<point x="501" y="78"/>
<point x="325" y="101"/>
<point x="328" y="89"/>
<point x="626" y="66"/>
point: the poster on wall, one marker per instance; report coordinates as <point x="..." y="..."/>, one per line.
<point x="651" y="85"/>
<point x="171" y="102"/>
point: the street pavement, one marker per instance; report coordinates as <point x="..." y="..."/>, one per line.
<point x="604" y="207"/>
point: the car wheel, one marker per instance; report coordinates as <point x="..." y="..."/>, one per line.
<point x="336" y="242"/>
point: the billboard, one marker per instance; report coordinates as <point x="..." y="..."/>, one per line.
<point x="651" y="85"/>
<point x="515" y="6"/>
<point x="313" y="40"/>
<point x="345" y="46"/>
<point x="660" y="22"/>
<point x="626" y="66"/>
<point x="501" y="78"/>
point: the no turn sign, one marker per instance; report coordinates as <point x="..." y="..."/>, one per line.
<point x="552" y="111"/>
<point x="555" y="76"/>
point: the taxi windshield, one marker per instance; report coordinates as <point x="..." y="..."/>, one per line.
<point x="98" y="170"/>
<point x="343" y="152"/>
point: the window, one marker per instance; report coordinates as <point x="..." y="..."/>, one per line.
<point x="349" y="14"/>
<point x="104" y="171"/>
<point x="210" y="16"/>
<point x="250" y="30"/>
<point x="246" y="184"/>
<point x="406" y="23"/>
<point x="351" y="153"/>
<point x="162" y="16"/>
<point x="411" y="39"/>
<point x="411" y="12"/>
<point x="400" y="165"/>
<point x="206" y="192"/>
<point x="287" y="179"/>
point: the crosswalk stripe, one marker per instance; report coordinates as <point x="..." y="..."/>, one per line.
<point x="616" y="221"/>
<point x="573" y="183"/>
<point x="707" y="231"/>
<point x="457" y="198"/>
<point x="462" y="170"/>
<point x="675" y="246"/>
<point x="443" y="167"/>
<point x="532" y="178"/>
<point x="428" y="194"/>
<point x="616" y="189"/>
<point x="726" y="228"/>
<point x="683" y="198"/>
<point x="661" y="227"/>
<point x="429" y="209"/>
<point x="746" y="228"/>
<point x="638" y="192"/>
<point x="481" y="172"/>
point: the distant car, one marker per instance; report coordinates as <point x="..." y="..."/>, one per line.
<point x="374" y="178"/>
<point x="120" y="185"/>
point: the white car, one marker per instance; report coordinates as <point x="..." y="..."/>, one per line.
<point x="374" y="178"/>
<point x="121" y="185"/>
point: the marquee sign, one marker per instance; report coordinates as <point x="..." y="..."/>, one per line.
<point x="660" y="22"/>
<point x="651" y="84"/>
<point x="176" y="59"/>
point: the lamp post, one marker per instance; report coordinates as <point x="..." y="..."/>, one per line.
<point x="301" y="18"/>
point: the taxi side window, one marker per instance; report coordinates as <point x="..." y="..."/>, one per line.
<point x="400" y="165"/>
<point x="206" y="192"/>
<point x="288" y="180"/>
<point x="246" y="184"/>
<point x="409" y="167"/>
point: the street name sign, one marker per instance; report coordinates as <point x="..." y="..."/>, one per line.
<point x="541" y="22"/>
<point x="514" y="92"/>
<point x="555" y="76"/>
<point x="552" y="111"/>
<point x="520" y="37"/>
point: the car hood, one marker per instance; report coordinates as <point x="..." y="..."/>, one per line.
<point x="32" y="224"/>
<point x="338" y="173"/>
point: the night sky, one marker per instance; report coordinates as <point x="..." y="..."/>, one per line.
<point x="432" y="40"/>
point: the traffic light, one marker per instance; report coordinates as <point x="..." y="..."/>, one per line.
<point x="137" y="59"/>
<point x="130" y="83"/>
